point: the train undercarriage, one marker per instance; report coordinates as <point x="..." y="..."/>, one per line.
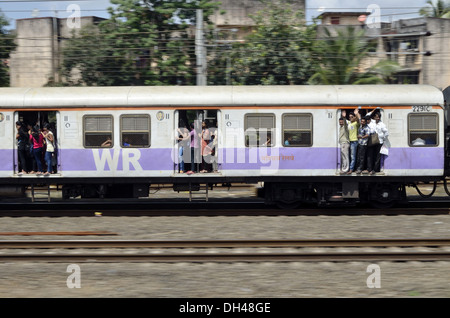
<point x="381" y="192"/>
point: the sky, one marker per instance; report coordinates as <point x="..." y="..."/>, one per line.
<point x="19" y="9"/>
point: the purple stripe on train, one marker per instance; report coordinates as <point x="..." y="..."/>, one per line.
<point x="7" y="160"/>
<point x="128" y="159"/>
<point x="415" y="158"/>
<point x="133" y="159"/>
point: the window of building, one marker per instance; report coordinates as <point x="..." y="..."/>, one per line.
<point x="297" y="130"/>
<point x="135" y="131"/>
<point x="335" y="20"/>
<point x="259" y="130"/>
<point x="98" y="131"/>
<point x="423" y="130"/>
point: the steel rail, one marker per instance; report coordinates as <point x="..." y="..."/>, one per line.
<point x="59" y="233"/>
<point x="394" y="242"/>
<point x="231" y="257"/>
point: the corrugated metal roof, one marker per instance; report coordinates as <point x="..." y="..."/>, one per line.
<point x="220" y="96"/>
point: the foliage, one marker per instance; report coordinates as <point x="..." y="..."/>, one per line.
<point x="7" y="44"/>
<point x="145" y="42"/>
<point x="439" y="10"/>
<point x="276" y="52"/>
<point x="340" y="57"/>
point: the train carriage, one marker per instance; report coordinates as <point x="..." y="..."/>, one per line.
<point x="114" y="140"/>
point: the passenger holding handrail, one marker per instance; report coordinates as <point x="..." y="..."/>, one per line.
<point x="353" y="126"/>
<point x="363" y="139"/>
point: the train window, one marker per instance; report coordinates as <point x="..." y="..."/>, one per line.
<point x="135" y="131"/>
<point x="259" y="130"/>
<point x="297" y="130"/>
<point x="423" y="130"/>
<point x="98" y="131"/>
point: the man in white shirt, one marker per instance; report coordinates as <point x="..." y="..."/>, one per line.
<point x="383" y="133"/>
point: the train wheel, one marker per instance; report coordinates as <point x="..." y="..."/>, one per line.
<point x="383" y="204"/>
<point x="288" y="206"/>
<point x="386" y="195"/>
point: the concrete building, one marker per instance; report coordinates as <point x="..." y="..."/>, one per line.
<point x="233" y="17"/>
<point x="38" y="54"/>
<point x="419" y="45"/>
<point x="342" y="18"/>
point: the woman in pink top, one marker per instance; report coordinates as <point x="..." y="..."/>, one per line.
<point x="37" y="139"/>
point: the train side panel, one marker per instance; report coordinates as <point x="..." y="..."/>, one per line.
<point x="315" y="158"/>
<point x="8" y="143"/>
<point x="416" y="142"/>
<point x="79" y="159"/>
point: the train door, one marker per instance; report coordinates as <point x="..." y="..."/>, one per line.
<point x="349" y="151"/>
<point x="25" y="161"/>
<point x="203" y="125"/>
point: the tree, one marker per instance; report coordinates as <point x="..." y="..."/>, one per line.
<point x="439" y="10"/>
<point x="145" y="42"/>
<point x="276" y="52"/>
<point x="340" y="58"/>
<point x="7" y="45"/>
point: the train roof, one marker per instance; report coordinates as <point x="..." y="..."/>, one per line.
<point x="179" y="96"/>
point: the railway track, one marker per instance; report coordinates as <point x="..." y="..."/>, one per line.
<point x="212" y="251"/>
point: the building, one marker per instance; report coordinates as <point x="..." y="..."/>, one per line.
<point x="40" y="40"/>
<point x="418" y="45"/>
<point x="421" y="47"/>
<point x="38" y="54"/>
<point x="234" y="16"/>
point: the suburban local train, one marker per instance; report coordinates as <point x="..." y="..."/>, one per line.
<point x="117" y="141"/>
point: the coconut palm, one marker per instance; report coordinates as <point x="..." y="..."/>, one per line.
<point x="340" y="59"/>
<point x="440" y="10"/>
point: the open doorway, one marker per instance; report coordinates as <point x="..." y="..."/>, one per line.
<point x="26" y="160"/>
<point x="349" y="156"/>
<point x="197" y="141"/>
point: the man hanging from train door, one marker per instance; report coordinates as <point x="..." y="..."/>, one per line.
<point x="344" y="143"/>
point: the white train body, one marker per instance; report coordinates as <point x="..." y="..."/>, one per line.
<point x="309" y="113"/>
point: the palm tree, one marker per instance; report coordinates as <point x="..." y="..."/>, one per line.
<point x="340" y="59"/>
<point x="440" y="10"/>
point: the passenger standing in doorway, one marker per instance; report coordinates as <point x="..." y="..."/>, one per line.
<point x="370" y="152"/>
<point x="195" y="149"/>
<point x="363" y="138"/>
<point x="49" y="153"/>
<point x="383" y="133"/>
<point x="215" y="164"/>
<point x="344" y="142"/>
<point x="38" y="143"/>
<point x="22" y="142"/>
<point x="206" y="149"/>
<point x="353" y="126"/>
<point x="183" y="144"/>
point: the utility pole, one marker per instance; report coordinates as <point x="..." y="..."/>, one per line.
<point x="200" y="50"/>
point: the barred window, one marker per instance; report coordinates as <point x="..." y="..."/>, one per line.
<point x="135" y="131"/>
<point x="297" y="130"/>
<point x="98" y="131"/>
<point x="423" y="130"/>
<point x="259" y="130"/>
